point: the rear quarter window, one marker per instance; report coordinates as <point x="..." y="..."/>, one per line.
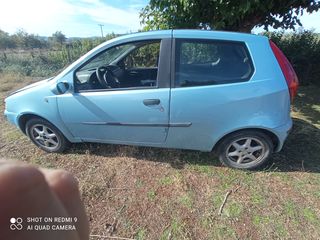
<point x="210" y="62"/>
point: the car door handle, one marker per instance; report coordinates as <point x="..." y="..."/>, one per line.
<point x="150" y="102"/>
<point x="133" y="73"/>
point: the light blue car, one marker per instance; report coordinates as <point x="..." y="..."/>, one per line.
<point x="185" y="89"/>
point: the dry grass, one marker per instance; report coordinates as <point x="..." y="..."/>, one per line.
<point x="147" y="193"/>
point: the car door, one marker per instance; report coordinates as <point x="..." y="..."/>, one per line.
<point x="210" y="80"/>
<point x="136" y="114"/>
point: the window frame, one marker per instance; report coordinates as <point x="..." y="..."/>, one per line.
<point x="164" y="66"/>
<point x="175" y="53"/>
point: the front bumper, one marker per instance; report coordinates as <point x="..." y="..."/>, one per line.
<point x="11" y="117"/>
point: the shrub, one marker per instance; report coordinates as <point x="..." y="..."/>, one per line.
<point x="302" y="48"/>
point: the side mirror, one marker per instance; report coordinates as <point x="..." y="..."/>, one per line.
<point x="60" y="88"/>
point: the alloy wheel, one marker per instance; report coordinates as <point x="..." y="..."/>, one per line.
<point x="246" y="150"/>
<point x="45" y="136"/>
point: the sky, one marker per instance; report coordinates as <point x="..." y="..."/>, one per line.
<point x="81" y="18"/>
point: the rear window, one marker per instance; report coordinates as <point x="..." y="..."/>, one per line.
<point x="206" y="62"/>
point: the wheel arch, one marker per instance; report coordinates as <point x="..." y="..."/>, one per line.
<point x="274" y="138"/>
<point x="24" y="118"/>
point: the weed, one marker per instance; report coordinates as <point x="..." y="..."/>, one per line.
<point x="141" y="234"/>
<point x="233" y="210"/>
<point x="166" y="180"/>
<point x="257" y="198"/>
<point x="187" y="200"/>
<point x="221" y="231"/>
<point x="290" y="209"/>
<point x="139" y="183"/>
<point x="280" y="230"/>
<point x="151" y="195"/>
<point x="258" y="220"/>
<point x="310" y="216"/>
<point x="205" y="169"/>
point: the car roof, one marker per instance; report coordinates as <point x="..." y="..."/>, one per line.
<point x="191" y="33"/>
<point x="209" y="34"/>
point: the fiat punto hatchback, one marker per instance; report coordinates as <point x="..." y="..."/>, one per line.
<point x="185" y="89"/>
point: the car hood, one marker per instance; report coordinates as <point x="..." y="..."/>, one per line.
<point x="31" y="86"/>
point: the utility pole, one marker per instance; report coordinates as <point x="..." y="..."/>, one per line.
<point x="101" y="25"/>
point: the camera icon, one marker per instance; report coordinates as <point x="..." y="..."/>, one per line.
<point x="16" y="223"/>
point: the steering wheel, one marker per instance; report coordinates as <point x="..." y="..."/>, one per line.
<point x="107" y="78"/>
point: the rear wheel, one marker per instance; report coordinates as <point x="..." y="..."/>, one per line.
<point x="46" y="136"/>
<point x="245" y="150"/>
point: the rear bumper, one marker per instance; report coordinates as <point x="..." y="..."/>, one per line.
<point x="282" y="133"/>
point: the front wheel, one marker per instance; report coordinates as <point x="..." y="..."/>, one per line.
<point x="245" y="150"/>
<point x="46" y="136"/>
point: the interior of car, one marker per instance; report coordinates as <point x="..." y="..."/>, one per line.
<point x="132" y="65"/>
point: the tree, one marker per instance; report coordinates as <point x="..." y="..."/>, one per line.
<point x="58" y="38"/>
<point x="229" y="15"/>
<point x="5" y="40"/>
<point x="24" y="40"/>
<point x="20" y="38"/>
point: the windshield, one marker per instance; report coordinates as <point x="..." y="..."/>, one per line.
<point x="107" y="57"/>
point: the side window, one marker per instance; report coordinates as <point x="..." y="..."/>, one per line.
<point x="202" y="62"/>
<point x="131" y="65"/>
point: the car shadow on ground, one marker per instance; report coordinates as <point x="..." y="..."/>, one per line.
<point x="301" y="152"/>
<point x="307" y="102"/>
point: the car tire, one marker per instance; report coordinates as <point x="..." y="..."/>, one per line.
<point x="248" y="149"/>
<point x="46" y="136"/>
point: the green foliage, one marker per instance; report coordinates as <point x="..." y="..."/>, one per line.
<point x="22" y="54"/>
<point x="151" y="195"/>
<point x="5" y="41"/>
<point x="58" y="38"/>
<point x="145" y="56"/>
<point x="166" y="180"/>
<point x="20" y="39"/>
<point x="141" y="234"/>
<point x="24" y="40"/>
<point x="197" y="53"/>
<point x="311" y="216"/>
<point x="43" y="63"/>
<point x="226" y="15"/>
<point x="31" y="64"/>
<point x="303" y="51"/>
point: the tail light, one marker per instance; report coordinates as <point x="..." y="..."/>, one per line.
<point x="287" y="70"/>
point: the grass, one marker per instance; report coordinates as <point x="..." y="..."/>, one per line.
<point x="175" y="194"/>
<point x="166" y="181"/>
<point x="151" y="195"/>
<point x="141" y="234"/>
<point x="187" y="200"/>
